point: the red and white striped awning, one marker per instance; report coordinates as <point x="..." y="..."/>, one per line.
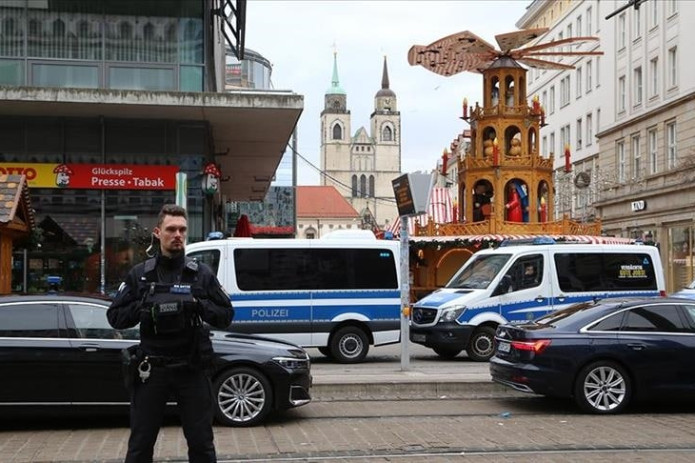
<point x="588" y="239"/>
<point x="440" y="209"/>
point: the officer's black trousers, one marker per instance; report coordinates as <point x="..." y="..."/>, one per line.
<point x="191" y="389"/>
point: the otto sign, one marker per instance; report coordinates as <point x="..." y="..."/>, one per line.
<point x="639" y="205"/>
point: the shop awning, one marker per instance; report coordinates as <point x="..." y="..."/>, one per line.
<point x="250" y="129"/>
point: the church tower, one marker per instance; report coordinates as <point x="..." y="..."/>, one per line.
<point x="361" y="166"/>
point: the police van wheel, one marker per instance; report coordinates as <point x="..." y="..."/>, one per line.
<point x="481" y="347"/>
<point x="447" y="352"/>
<point x="243" y="397"/>
<point x="325" y="350"/>
<point x="349" y="345"/>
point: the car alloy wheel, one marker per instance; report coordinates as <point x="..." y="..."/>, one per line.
<point x="243" y="397"/>
<point x="603" y="387"/>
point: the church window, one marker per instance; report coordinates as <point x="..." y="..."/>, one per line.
<point x="371" y="186"/>
<point x="387" y="134"/>
<point x="337" y="132"/>
<point x="363" y="186"/>
<point x="354" y="186"/>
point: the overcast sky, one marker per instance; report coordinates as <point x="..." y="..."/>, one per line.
<point x="298" y="38"/>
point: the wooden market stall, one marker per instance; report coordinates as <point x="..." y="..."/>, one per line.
<point x="17" y="221"/>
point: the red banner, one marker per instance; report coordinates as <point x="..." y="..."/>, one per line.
<point x="115" y="177"/>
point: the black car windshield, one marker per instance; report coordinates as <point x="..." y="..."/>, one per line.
<point x="571" y="314"/>
<point x="479" y="272"/>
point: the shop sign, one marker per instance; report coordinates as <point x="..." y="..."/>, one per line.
<point x="639" y="205"/>
<point x="94" y="176"/>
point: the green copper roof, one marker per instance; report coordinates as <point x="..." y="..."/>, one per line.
<point x="335" y="89"/>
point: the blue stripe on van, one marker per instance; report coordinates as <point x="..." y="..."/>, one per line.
<point x="303" y="306"/>
<point x="530" y="309"/>
<point x="314" y="295"/>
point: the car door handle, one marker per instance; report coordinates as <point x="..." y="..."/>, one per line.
<point x="636" y="346"/>
<point x="89" y="347"/>
<point x="540" y="298"/>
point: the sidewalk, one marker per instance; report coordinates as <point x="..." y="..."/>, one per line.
<point x="390" y="381"/>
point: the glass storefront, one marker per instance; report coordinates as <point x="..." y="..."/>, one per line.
<point x="55" y="39"/>
<point x="65" y="251"/>
<point x="680" y="257"/>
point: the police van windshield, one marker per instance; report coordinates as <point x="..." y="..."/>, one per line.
<point x="479" y="272"/>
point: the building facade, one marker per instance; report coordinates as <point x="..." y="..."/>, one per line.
<point x="572" y="100"/>
<point x="641" y="164"/>
<point x="362" y="166"/>
<point x="112" y="109"/>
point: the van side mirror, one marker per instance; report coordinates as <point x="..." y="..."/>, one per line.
<point x="503" y="286"/>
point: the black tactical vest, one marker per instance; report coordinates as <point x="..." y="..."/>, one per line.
<point x="169" y="323"/>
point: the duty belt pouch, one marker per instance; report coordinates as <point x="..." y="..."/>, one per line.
<point x="130" y="358"/>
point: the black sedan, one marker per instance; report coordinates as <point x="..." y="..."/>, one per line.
<point x="602" y="354"/>
<point x="59" y="352"/>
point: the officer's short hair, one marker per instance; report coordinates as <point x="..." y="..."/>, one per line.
<point x="171" y="209"/>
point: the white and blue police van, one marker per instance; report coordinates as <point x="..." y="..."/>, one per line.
<point x="339" y="293"/>
<point x="522" y="280"/>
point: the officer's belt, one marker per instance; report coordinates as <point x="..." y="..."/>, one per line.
<point x="163" y="361"/>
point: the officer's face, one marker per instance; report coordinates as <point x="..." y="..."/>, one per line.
<point x="172" y="235"/>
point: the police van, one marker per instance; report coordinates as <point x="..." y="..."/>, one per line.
<point x="340" y="293"/>
<point x="521" y="281"/>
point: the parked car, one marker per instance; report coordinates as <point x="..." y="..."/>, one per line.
<point x="59" y="352"/>
<point x="688" y="292"/>
<point x="603" y="354"/>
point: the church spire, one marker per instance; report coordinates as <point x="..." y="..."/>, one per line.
<point x="385" y="75"/>
<point x="335" y="89"/>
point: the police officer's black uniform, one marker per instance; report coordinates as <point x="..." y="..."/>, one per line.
<point x="169" y="297"/>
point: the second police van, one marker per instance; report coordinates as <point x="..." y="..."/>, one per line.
<point x="522" y="281"/>
<point x="339" y="293"/>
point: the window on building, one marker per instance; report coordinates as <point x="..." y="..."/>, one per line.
<point x="589" y="130"/>
<point x="598" y="71"/>
<point x="363" y="185"/>
<point x="337" y="132"/>
<point x="589" y="69"/>
<point x="579" y="82"/>
<point x="672" y="7"/>
<point x="579" y="26"/>
<point x="671" y="145"/>
<point x="580" y="134"/>
<point x="371" y="186"/>
<point x="565" y="137"/>
<point x="620" y="148"/>
<point x="544" y="99"/>
<point x="589" y="26"/>
<point x="638" y="85"/>
<point x="354" y="186"/>
<point x="654" y="14"/>
<point x="637" y="23"/>
<point x="544" y="146"/>
<point x="672" y="67"/>
<point x="621" y="94"/>
<point x="653" y="77"/>
<point x="636" y="157"/>
<point x="552" y="144"/>
<point x="387" y="134"/>
<point x="565" y="91"/>
<point x="653" y="151"/>
<point x="621" y="32"/>
<point x="551" y="100"/>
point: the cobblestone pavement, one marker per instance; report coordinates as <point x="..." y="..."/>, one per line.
<point x="395" y="431"/>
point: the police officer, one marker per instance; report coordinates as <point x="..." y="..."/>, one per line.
<point x="170" y="296"/>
